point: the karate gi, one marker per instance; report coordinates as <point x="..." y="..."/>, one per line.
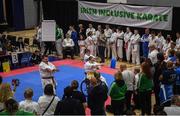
<point x="120" y="37"/>
<point x="127" y="40"/>
<point x="135" y="39"/>
<point x="112" y="42"/>
<point x="108" y="33"/>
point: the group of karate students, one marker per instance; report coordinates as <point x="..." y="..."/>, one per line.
<point x="117" y="40"/>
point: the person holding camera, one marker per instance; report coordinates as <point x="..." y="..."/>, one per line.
<point x="47" y="70"/>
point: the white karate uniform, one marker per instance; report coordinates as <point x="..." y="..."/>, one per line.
<point x="90" y="44"/>
<point x="160" y="42"/>
<point x="177" y="43"/>
<point x="127" y="40"/>
<point x="44" y="74"/>
<point x="44" y="102"/>
<point x="68" y="42"/>
<point x="153" y="56"/>
<point x="29" y="106"/>
<point x="107" y="33"/>
<point x="94" y="38"/>
<point x="82" y="47"/>
<point x="86" y="57"/>
<point x="166" y="46"/>
<point x="128" y="77"/>
<point x="112" y="42"/>
<point x="153" y="41"/>
<point x="90" y="29"/>
<point x="135" y="39"/>
<point x="91" y="67"/>
<point x="120" y="37"/>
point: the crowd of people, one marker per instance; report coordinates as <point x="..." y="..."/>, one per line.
<point x="158" y="74"/>
<point x="110" y="43"/>
<point x="131" y="89"/>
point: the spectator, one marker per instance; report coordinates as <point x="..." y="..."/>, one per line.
<point x="167" y="79"/>
<point x="86" y="55"/>
<point x="112" y="44"/>
<point x="135" y="39"/>
<point x="48" y="101"/>
<point x="81" y="43"/>
<point x="11" y="108"/>
<point x="77" y="94"/>
<point x="145" y="86"/>
<point x="69" y="105"/>
<point x="68" y="45"/>
<point x="117" y="93"/>
<point x="127" y="46"/>
<point x="108" y="34"/>
<point x="145" y="42"/>
<point x="157" y="109"/>
<point x="136" y="97"/>
<point x="119" y="41"/>
<point x="48" y="47"/>
<point x="96" y="98"/>
<point x="81" y="30"/>
<point x="28" y="105"/>
<point x="90" y="43"/>
<point x="91" y="28"/>
<point x="20" y="44"/>
<point x="35" y="58"/>
<point x="102" y="45"/>
<point x="177" y="85"/>
<point x="153" y="53"/>
<point x="177" y="40"/>
<point x="171" y="56"/>
<point x="74" y="37"/>
<point x="160" y="67"/>
<point x="5" y="93"/>
<point x="160" y="41"/>
<point x="128" y="77"/>
<point x="59" y="39"/>
<point x="174" y="109"/>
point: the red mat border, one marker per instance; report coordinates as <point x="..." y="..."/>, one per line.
<point x="75" y="63"/>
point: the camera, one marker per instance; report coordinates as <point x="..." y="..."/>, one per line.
<point x="15" y="82"/>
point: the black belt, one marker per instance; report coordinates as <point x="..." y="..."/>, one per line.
<point x="120" y="38"/>
<point x="48" y="77"/>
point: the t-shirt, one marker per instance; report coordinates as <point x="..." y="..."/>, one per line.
<point x="44" y="102"/>
<point x="29" y="106"/>
<point x="169" y="77"/>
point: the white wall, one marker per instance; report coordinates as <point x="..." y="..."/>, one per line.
<point x="30" y="13"/>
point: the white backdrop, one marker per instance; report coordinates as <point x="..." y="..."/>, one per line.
<point x="48" y="30"/>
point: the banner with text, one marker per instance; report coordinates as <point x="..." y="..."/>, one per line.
<point x="127" y="15"/>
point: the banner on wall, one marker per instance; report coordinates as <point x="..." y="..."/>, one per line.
<point x="127" y="15"/>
